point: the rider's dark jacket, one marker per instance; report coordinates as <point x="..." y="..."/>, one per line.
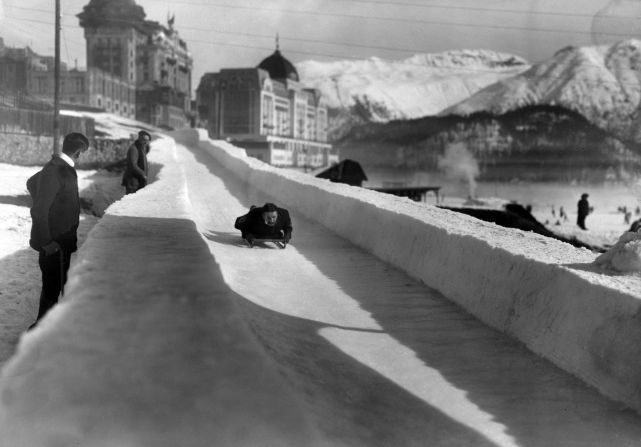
<point x="253" y="223"/>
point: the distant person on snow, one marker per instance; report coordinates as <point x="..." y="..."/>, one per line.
<point x="583" y="210"/>
<point x="136" y="170"/>
<point x="55" y="216"/>
<point x="266" y="222"/>
<point x="562" y="214"/>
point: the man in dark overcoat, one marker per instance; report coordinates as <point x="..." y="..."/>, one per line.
<point x="266" y="222"/>
<point x="136" y="168"/>
<point x="55" y="216"/>
<point x="583" y="209"/>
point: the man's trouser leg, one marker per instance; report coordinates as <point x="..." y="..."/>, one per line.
<point x="132" y="186"/>
<point x="54" y="276"/>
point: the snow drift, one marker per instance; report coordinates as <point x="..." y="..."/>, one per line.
<point x="624" y="256"/>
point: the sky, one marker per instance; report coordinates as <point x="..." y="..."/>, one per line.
<point x="240" y="33"/>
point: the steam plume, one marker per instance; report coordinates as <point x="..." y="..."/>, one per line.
<point x="459" y="164"/>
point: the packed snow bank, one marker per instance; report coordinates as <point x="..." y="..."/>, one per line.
<point x="147" y="348"/>
<point x="624" y="256"/>
<point x="547" y="294"/>
<point x="112" y="126"/>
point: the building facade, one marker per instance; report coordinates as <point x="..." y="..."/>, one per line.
<point x="163" y="76"/>
<point x="141" y="69"/>
<point x="268" y="112"/>
<point x="136" y="68"/>
<point x="15" y="65"/>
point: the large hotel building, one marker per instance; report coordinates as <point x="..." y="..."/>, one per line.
<point x="268" y="112"/>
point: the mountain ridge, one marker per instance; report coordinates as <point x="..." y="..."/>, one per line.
<point x="421" y="85"/>
<point x="602" y="83"/>
<point x="572" y="117"/>
<point x="537" y="143"/>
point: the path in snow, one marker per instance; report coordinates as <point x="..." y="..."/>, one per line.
<point x="381" y="359"/>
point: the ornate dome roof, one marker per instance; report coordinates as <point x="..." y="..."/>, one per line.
<point x="278" y="67"/>
<point x="120" y="12"/>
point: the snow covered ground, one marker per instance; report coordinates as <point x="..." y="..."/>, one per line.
<point x="112" y="126"/>
<point x="605" y="224"/>
<point x="18" y="262"/>
<point x="174" y="333"/>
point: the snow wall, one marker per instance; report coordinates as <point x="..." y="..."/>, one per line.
<point x="131" y="356"/>
<point x="540" y="291"/>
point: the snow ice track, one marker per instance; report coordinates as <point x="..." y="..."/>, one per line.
<point x="379" y="358"/>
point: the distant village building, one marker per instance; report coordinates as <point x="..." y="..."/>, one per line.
<point x="15" y="65"/>
<point x="73" y="86"/>
<point x="25" y="73"/>
<point x="268" y="112"/>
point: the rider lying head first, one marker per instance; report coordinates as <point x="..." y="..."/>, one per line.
<point x="266" y="222"/>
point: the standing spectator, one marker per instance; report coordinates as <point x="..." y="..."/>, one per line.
<point x="55" y="217"/>
<point x="583" y="211"/>
<point x="135" y="176"/>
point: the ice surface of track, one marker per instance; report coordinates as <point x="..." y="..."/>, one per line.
<point x="379" y="358"/>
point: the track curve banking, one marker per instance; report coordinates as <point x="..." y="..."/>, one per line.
<point x="378" y="358"/>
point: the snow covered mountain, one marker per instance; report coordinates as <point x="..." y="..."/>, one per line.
<point x="573" y="117"/>
<point x="602" y="83"/>
<point x="423" y="85"/>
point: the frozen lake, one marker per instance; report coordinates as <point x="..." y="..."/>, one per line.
<point x="605" y="224"/>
